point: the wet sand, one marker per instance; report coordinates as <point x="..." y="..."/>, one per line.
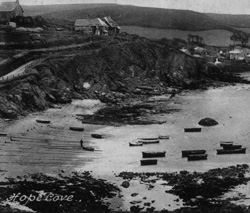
<point x="52" y="148"/>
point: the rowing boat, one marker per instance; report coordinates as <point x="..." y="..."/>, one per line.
<point x="192" y="129"/>
<point x="164" y="136"/>
<point x="43" y="121"/>
<point x="3" y="134"/>
<point x="97" y="136"/>
<point x="88" y="148"/>
<point x="148" y="162"/>
<point x="231" y="151"/>
<point x="149" y="141"/>
<point x="197" y="157"/>
<point x="135" y="143"/>
<point x="226" y="143"/>
<point x="80" y="129"/>
<point x="153" y="154"/>
<point x="186" y="153"/>
<point x="234" y="146"/>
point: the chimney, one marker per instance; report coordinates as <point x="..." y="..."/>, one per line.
<point x="17" y="1"/>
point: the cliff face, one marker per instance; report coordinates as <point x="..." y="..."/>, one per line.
<point x="123" y="68"/>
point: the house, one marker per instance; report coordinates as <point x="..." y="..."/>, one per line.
<point x="239" y="53"/>
<point x="9" y="11"/>
<point x="95" y="26"/>
<point x="112" y="25"/>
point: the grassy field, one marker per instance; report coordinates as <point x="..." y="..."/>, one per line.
<point x="211" y="37"/>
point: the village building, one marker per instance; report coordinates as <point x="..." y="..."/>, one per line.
<point x="9" y="11"/>
<point x="239" y="53"/>
<point x="112" y="25"/>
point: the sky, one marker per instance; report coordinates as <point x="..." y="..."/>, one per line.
<point x="207" y="6"/>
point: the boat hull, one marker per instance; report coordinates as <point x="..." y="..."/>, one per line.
<point x="231" y="151"/>
<point x="192" y="130"/>
<point x="135" y="144"/>
<point x="88" y="148"/>
<point x="186" y="153"/>
<point x="99" y="136"/>
<point x="43" y="121"/>
<point x="148" y="162"/>
<point x="149" y="141"/>
<point x="153" y="154"/>
<point x="164" y="136"/>
<point x="80" y="129"/>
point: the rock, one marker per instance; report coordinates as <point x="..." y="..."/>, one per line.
<point x="208" y="122"/>
<point x="241" y="175"/>
<point x="134" y="194"/>
<point x="125" y="184"/>
<point x="135" y="209"/>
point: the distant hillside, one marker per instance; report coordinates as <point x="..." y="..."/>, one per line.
<point x="241" y="21"/>
<point x="139" y="16"/>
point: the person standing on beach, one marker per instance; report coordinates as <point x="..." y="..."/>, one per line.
<point x="81" y="142"/>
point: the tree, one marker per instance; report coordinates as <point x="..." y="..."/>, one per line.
<point x="241" y="37"/>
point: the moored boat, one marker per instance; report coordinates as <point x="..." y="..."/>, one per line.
<point x="135" y="143"/>
<point x="148" y="141"/>
<point x="234" y="146"/>
<point x="3" y="134"/>
<point x="96" y="136"/>
<point x="226" y="143"/>
<point x="88" y="148"/>
<point x="153" y="154"/>
<point x="164" y="136"/>
<point x="197" y="157"/>
<point x="231" y="151"/>
<point x="80" y="129"/>
<point x="148" y="162"/>
<point x="186" y="153"/>
<point x="192" y="129"/>
<point x="43" y="121"/>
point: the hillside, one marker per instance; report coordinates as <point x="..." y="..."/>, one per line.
<point x="142" y="16"/>
<point x="241" y="21"/>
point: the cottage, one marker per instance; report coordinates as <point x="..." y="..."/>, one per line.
<point x="112" y="25"/>
<point x="9" y="11"/>
<point x="82" y="25"/>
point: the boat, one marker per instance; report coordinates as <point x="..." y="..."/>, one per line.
<point x="226" y="143"/>
<point x="186" y="153"/>
<point x="80" y="129"/>
<point x="197" y="157"/>
<point x="153" y="154"/>
<point x="234" y="146"/>
<point x="3" y="134"/>
<point x="231" y="151"/>
<point x="135" y="143"/>
<point x="88" y="148"/>
<point x="43" y="121"/>
<point x="148" y="162"/>
<point x="96" y="136"/>
<point x="149" y="141"/>
<point x="192" y="129"/>
<point x="164" y="136"/>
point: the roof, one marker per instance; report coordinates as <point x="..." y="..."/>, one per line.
<point x="82" y="23"/>
<point x="91" y="22"/>
<point x="8" y="6"/>
<point x="236" y="51"/>
<point x="111" y="22"/>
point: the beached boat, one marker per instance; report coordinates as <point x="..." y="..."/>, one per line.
<point x="135" y="143"/>
<point x="80" y="129"/>
<point x="192" y="129"/>
<point x="3" y="134"/>
<point x="164" y="136"/>
<point x="231" y="151"/>
<point x="197" y="157"/>
<point x="226" y="143"/>
<point x="186" y="153"/>
<point x="43" y="121"/>
<point x="153" y="154"/>
<point x="149" y="141"/>
<point x="148" y="162"/>
<point x="88" y="148"/>
<point x="96" y="136"/>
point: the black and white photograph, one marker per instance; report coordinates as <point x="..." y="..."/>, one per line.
<point x="124" y="106"/>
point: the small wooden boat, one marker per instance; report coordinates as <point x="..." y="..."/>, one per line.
<point x="186" y="153"/>
<point x="231" y="151"/>
<point x="148" y="162"/>
<point x="3" y="134"/>
<point x="43" y="121"/>
<point x="135" y="143"/>
<point x="80" y="129"/>
<point x="226" y="143"/>
<point x="88" y="148"/>
<point x="192" y="129"/>
<point x="96" y="136"/>
<point x="234" y="146"/>
<point x="164" y="136"/>
<point x="153" y="154"/>
<point x="197" y="157"/>
<point x="149" y="141"/>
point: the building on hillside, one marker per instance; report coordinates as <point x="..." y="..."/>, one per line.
<point x="9" y="11"/>
<point x="95" y="26"/>
<point x="239" y="53"/>
<point x="112" y="25"/>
